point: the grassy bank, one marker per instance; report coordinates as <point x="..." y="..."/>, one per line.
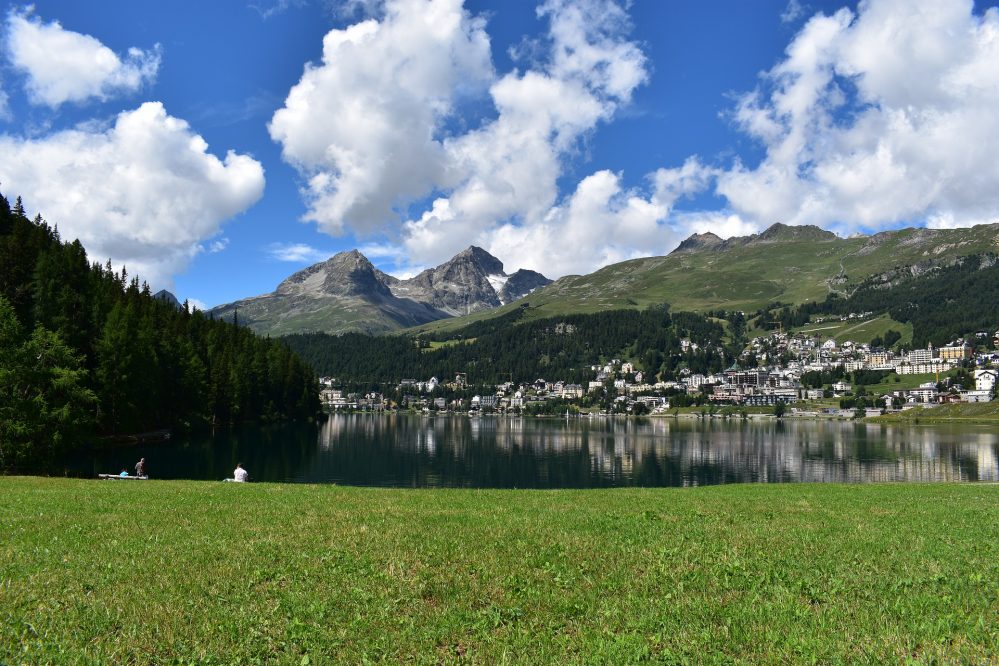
<point x="178" y="571"/>
<point x="958" y="412"/>
<point x="857" y="330"/>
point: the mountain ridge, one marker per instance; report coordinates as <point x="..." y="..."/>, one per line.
<point x="782" y="263"/>
<point x="348" y="293"/>
<point x="775" y="233"/>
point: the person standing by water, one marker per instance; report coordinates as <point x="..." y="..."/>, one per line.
<point x="140" y="468"/>
<point x="239" y="474"/>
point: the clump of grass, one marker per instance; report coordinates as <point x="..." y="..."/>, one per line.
<point x="169" y="572"/>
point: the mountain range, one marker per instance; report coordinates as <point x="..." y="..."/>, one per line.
<point x="787" y="264"/>
<point x="347" y="293"/>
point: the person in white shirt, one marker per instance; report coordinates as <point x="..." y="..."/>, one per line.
<point x="240" y="474"/>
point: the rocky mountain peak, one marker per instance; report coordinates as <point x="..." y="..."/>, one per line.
<point x="351" y="274"/>
<point x="470" y="281"/>
<point x="167" y="297"/>
<point x="479" y="258"/>
<point x="344" y="274"/>
<point x="804" y="232"/>
<point x="696" y="242"/>
<point x="520" y="284"/>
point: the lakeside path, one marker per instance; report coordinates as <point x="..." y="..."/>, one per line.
<point x="166" y="572"/>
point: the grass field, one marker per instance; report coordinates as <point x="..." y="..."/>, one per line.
<point x="855" y="330"/>
<point x="904" y="383"/>
<point x="722" y="410"/>
<point x="982" y="412"/>
<point x="179" y="572"/>
<point x="440" y="344"/>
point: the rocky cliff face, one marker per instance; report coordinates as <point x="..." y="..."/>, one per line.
<point x="346" y="292"/>
<point x="520" y="284"/>
<point x="464" y="284"/>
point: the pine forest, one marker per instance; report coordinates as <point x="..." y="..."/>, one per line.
<point x="88" y="353"/>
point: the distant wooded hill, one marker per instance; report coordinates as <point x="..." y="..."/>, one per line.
<point x="941" y="303"/>
<point x="87" y="351"/>
<point x="505" y="349"/>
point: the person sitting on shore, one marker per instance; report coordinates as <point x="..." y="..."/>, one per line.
<point x="240" y="475"/>
<point x="124" y="472"/>
<point x="140" y="467"/>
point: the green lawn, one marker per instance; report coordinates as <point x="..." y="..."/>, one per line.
<point x="854" y="330"/>
<point x="439" y="344"/>
<point x="904" y="383"/>
<point x="982" y="412"/>
<point x="179" y="572"/>
<point x="722" y="410"/>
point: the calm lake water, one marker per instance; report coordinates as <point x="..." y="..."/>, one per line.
<point x="499" y="452"/>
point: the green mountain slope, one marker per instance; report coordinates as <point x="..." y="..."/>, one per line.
<point x="787" y="264"/>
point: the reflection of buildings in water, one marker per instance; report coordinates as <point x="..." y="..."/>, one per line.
<point x="988" y="461"/>
<point x="700" y="451"/>
<point x="429" y="441"/>
<point x="799" y="451"/>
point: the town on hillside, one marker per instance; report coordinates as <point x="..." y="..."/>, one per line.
<point x="790" y="374"/>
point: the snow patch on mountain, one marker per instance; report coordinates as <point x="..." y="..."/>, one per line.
<point x="497" y="282"/>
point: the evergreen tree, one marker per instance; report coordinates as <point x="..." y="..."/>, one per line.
<point x="44" y="403"/>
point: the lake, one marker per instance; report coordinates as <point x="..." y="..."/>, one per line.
<point x="404" y="450"/>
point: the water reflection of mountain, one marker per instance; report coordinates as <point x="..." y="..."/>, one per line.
<point x="510" y="452"/>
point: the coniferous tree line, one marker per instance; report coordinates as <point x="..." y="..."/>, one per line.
<point x="942" y="304"/>
<point x="86" y="351"/>
<point x="493" y="352"/>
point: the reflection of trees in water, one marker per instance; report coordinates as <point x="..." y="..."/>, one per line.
<point x="407" y="450"/>
<point x="270" y="453"/>
<point x="517" y="452"/>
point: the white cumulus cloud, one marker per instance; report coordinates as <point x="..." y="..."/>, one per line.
<point x="872" y="118"/>
<point x="197" y="304"/>
<point x="65" y="66"/>
<point x="144" y="191"/>
<point x="600" y="223"/>
<point x="508" y="170"/>
<point x="792" y="12"/>
<point x="298" y="253"/>
<point x="218" y="245"/>
<point x="363" y="125"/>
<point x="877" y="118"/>
<point x="366" y="128"/>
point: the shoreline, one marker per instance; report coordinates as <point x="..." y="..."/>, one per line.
<point x="884" y="419"/>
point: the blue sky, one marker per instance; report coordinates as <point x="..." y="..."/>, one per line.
<point x="561" y="137"/>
